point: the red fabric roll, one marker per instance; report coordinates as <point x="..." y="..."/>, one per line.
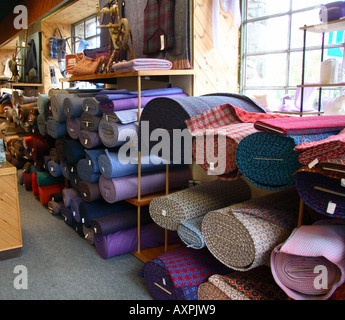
<point x="27" y="181"/>
<point x="34" y="185"/>
<point x="45" y="192"/>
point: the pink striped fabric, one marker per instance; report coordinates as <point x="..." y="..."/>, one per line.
<point x="293" y="263"/>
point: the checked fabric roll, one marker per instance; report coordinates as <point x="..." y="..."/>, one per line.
<point x="121" y="188"/>
<point x="242" y="236"/>
<point x="177" y="274"/>
<point x="256" y="284"/>
<point x="317" y="246"/>
<point x="170" y="210"/>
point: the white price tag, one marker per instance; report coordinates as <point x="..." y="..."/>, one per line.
<point x="331" y="207"/>
<point x="342" y="182"/>
<point x="164" y="213"/>
<point x="313" y="163"/>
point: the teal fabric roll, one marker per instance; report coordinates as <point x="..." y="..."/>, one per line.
<point x="44" y="178"/>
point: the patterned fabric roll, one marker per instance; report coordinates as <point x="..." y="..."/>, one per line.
<point x="177" y="274"/>
<point x="170" y="210"/>
<point x="190" y="233"/>
<point x="242" y="236"/>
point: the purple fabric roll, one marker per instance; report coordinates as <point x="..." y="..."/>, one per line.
<point x="89" y="139"/>
<point x="75" y="208"/>
<point x="73" y="127"/>
<point x="131" y="103"/>
<point x="125" y="241"/>
<point x="68" y="194"/>
<point x="121" y="188"/>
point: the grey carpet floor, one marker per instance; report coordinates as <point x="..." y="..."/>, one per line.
<point x="61" y="265"/>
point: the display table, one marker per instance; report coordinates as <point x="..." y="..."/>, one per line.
<point x="10" y="227"/>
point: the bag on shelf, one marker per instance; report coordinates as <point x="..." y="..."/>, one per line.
<point x="56" y="45"/>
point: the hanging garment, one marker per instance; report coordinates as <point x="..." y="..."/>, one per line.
<point x="159" y="32"/>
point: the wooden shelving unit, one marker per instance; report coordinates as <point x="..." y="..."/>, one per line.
<point x="140" y="201"/>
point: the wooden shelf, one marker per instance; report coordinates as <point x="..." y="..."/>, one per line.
<point x="103" y="77"/>
<point x="145" y="200"/>
<point x="148" y="254"/>
<point x="320" y="85"/>
<point x="332" y="26"/>
<point x="24" y="84"/>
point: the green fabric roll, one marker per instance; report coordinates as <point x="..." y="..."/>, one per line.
<point x="44" y="178"/>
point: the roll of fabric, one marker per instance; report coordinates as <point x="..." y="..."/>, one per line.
<point x="74" y="178"/>
<point x="75" y="202"/>
<point x="41" y="124"/>
<point x="89" y="211"/>
<point x="73" y="151"/>
<point x="73" y="127"/>
<point x="54" y="168"/>
<point x="54" y="207"/>
<point x="309" y="250"/>
<point x="329" y="148"/>
<point x="114" y="134"/>
<point x="88" y="234"/>
<point x="256" y="284"/>
<point x="44" y="178"/>
<point x="27" y="181"/>
<point x="177" y="110"/>
<point x="39" y="147"/>
<point x="92" y="159"/>
<point x="126" y="241"/>
<point x="59" y="148"/>
<point x="24" y="110"/>
<point x="125" y="116"/>
<point x="65" y="169"/>
<point x="57" y="197"/>
<point x="73" y="106"/>
<point x="42" y="103"/>
<point x="190" y="233"/>
<point x="27" y="99"/>
<point x="89" y="122"/>
<point x="268" y="160"/>
<point x="177" y="273"/>
<point x="78" y="228"/>
<point x="45" y="191"/>
<point x="20" y="173"/>
<point x="122" y="220"/>
<point x="302" y="125"/>
<point x="117" y="189"/>
<point x="68" y="194"/>
<point x="324" y="194"/>
<point x="91" y="106"/>
<point x="84" y="172"/>
<point x="89" y="139"/>
<point x="111" y="166"/>
<point x="67" y="215"/>
<point x="242" y="236"/>
<point x="56" y="129"/>
<point x="34" y="185"/>
<point x="333" y="166"/>
<point x="89" y="191"/>
<point x="170" y="210"/>
<point x="57" y="109"/>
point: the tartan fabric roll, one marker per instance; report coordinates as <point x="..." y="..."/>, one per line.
<point x="177" y="273"/>
<point x="89" y="139"/>
<point x="256" y="284"/>
<point x="190" y="233"/>
<point x="333" y="166"/>
<point x="329" y="148"/>
<point x="310" y="252"/>
<point x="170" y="210"/>
<point x="243" y="235"/>
<point x="324" y="194"/>
<point x="302" y="125"/>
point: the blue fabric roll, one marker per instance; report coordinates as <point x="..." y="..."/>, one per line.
<point x="190" y="233"/>
<point x="65" y="169"/>
<point x="54" y="168"/>
<point x="56" y="103"/>
<point x="72" y="106"/>
<point x="42" y="103"/>
<point x="110" y="165"/>
<point x="56" y="129"/>
<point x="73" y="151"/>
<point x="84" y="172"/>
<point x="92" y="158"/>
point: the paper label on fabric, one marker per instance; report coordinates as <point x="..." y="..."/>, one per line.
<point x="103" y="169"/>
<point x="72" y="169"/>
<point x="162" y="42"/>
<point x="82" y="220"/>
<point x="164" y="213"/>
<point x="85" y="141"/>
<point x="89" y="162"/>
<point x="95" y="229"/>
<point x="51" y="169"/>
<point x="342" y="182"/>
<point x="87" y="108"/>
<point x="331" y="207"/>
<point x="164" y="282"/>
<point x="211" y="166"/>
<point x="313" y="163"/>
<point x="84" y="194"/>
<point x="73" y="213"/>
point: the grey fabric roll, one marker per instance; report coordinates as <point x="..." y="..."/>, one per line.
<point x="41" y="124"/>
<point x="73" y="127"/>
<point x="73" y="106"/>
<point x="91" y="106"/>
<point x="89" y="122"/>
<point x="170" y="210"/>
<point x="56" y="103"/>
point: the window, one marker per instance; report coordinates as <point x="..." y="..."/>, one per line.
<point x="272" y="48"/>
<point x="85" y="30"/>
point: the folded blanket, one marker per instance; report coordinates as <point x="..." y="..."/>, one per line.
<point x="84" y="172"/>
<point x="111" y="166"/>
<point x="317" y="151"/>
<point x="117" y="189"/>
<point x="89" y="191"/>
<point x="114" y="134"/>
<point x="125" y="241"/>
<point x="256" y="284"/>
<point x="141" y="64"/>
<point x="75" y="202"/>
<point x="302" y="125"/>
<point x="177" y="273"/>
<point x="190" y="233"/>
<point x="91" y="106"/>
<point x="54" y="168"/>
<point x="89" y="122"/>
<point x="73" y="127"/>
<point x="242" y="236"/>
<point x="92" y="159"/>
<point x="56" y="129"/>
<point x="122" y="220"/>
<point x="89" y="139"/>
<point x="68" y="194"/>
<point x="296" y="264"/>
<point x="72" y="106"/>
<point x="170" y="210"/>
<point x="73" y="151"/>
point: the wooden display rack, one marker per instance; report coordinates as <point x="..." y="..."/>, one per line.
<point x="140" y="201"/>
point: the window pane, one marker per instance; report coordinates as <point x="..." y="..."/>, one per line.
<point x="90" y="27"/>
<point x="261" y="8"/>
<point x="298" y="4"/>
<point x="267" y="35"/>
<point x="266" y="70"/>
<point x="79" y="30"/>
<point x="93" y="43"/>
